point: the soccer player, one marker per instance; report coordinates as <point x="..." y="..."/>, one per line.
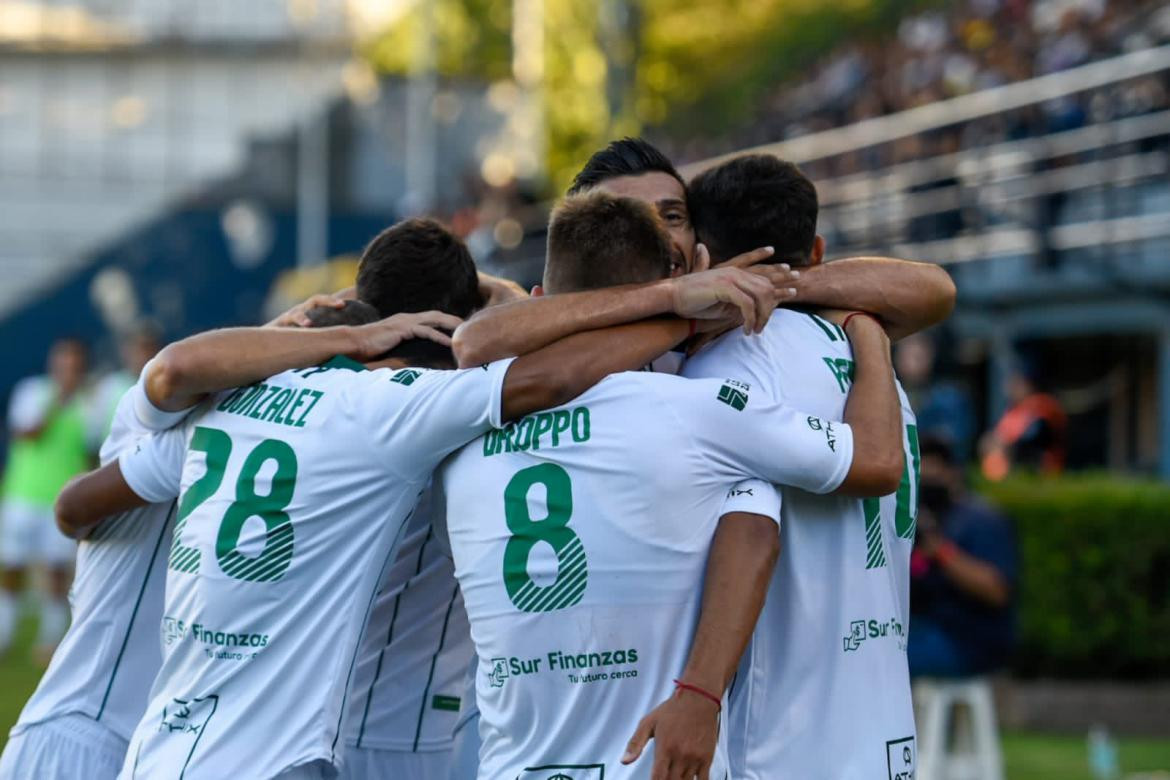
<point x="46" y="417"/>
<point x="580" y="534"/>
<point x="294" y="489"/>
<point x="79" y="719"/>
<point x="823" y="690"/>
<point x="907" y="297"/>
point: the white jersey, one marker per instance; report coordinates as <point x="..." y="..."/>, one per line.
<point x="414" y="654"/>
<point x="105" y="664"/>
<point x="580" y="537"/>
<point x="294" y="493"/>
<point x="824" y="690"/>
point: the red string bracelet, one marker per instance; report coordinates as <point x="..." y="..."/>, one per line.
<point x="694" y="326"/>
<point x="845" y="324"/>
<point x="702" y="692"/>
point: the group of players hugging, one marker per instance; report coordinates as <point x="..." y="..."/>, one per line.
<point x="652" y="521"/>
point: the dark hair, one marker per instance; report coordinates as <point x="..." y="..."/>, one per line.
<point x="753" y="201"/>
<point x="354" y="312"/>
<point x="627" y="157"/>
<point x="418" y="265"/>
<point x="599" y="240"/>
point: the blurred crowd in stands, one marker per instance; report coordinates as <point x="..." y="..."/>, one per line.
<point x="957" y="49"/>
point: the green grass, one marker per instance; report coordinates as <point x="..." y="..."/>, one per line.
<point x="1067" y="758"/>
<point x="1028" y="756"/>
<point x="18" y="676"/>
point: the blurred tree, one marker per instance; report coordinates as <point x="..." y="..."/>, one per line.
<point x="613" y="67"/>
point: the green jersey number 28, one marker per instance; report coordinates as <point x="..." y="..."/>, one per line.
<point x="572" y="568"/>
<point x="272" y="562"/>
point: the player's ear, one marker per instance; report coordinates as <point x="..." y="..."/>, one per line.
<point x="818" y="250"/>
<point x="537" y="291"/>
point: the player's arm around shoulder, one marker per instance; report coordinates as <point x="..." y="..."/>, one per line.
<point x="146" y="472"/>
<point x="906" y="296"/>
<point x="88" y="499"/>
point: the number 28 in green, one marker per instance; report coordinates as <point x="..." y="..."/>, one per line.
<point x="272" y="562"/>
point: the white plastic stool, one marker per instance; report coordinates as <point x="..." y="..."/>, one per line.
<point x="957" y="748"/>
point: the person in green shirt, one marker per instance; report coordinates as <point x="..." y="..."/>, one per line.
<point x="47" y="447"/>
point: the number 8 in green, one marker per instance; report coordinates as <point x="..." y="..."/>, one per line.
<point x="572" y="567"/>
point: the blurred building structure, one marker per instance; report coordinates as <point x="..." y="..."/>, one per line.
<point x="171" y="159"/>
<point x="110" y="109"/>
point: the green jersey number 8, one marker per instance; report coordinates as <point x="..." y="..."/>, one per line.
<point x="272" y="562"/>
<point x="572" y="568"/>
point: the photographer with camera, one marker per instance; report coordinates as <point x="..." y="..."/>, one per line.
<point x="963" y="575"/>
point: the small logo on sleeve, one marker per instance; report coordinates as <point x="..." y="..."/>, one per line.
<point x="734" y="394"/>
<point x="817" y="424"/>
<point x="406" y="376"/>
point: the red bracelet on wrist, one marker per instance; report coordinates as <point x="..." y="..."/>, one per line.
<point x="845" y="324"/>
<point x="718" y="702"/>
<point x="694" y="326"/>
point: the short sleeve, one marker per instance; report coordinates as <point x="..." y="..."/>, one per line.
<point x="30" y="403"/>
<point x="744" y="432"/>
<point x="134" y="416"/>
<point x="153" y="466"/>
<point x="150" y="416"/>
<point x="444" y="409"/>
<point x="754" y="497"/>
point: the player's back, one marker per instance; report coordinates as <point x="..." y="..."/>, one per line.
<point x="412" y="662"/>
<point x="580" y="536"/>
<point x="294" y="493"/>
<point x="824" y="689"/>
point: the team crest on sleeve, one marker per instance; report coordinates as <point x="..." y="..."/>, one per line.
<point x="734" y="394"/>
<point x="406" y="376"/>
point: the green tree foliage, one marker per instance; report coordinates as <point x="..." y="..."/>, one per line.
<point x="693" y="67"/>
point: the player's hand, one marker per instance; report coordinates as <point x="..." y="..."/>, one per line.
<point x="496" y="290"/>
<point x="298" y="316"/>
<point x="685" y="729"/>
<point x="729" y="293"/>
<point x="380" y="337"/>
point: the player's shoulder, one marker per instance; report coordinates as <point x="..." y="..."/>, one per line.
<point x="673" y="391"/>
<point x="804" y="327"/>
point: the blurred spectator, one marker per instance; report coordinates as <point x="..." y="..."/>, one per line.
<point x="47" y="426"/>
<point x="943" y="407"/>
<point x="963" y="575"/>
<point x="1031" y="433"/>
<point x="135" y="348"/>
<point x="960" y="48"/>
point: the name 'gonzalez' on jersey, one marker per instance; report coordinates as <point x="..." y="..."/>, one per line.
<point x="294" y="492"/>
<point x="580" y="536"/>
